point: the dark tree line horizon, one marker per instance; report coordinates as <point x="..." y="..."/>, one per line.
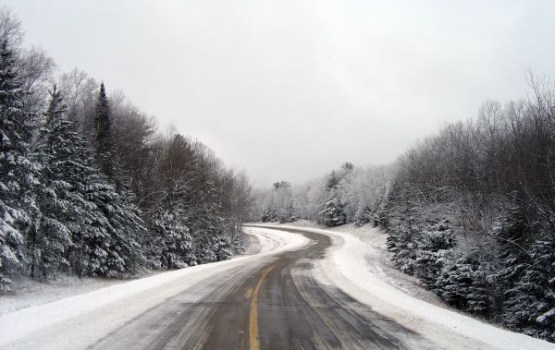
<point x="90" y="187"/>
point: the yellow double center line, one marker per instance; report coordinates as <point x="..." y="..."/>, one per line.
<point x="254" y="341"/>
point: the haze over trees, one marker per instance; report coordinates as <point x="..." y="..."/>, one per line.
<point x="89" y="187"/>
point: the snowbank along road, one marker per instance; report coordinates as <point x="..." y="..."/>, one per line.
<point x="306" y="289"/>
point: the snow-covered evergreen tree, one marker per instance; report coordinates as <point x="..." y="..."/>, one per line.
<point x="333" y="209"/>
<point x="123" y="226"/>
<point x="455" y="281"/>
<point x="541" y="282"/>
<point x="210" y="240"/>
<point x="529" y="304"/>
<point x="269" y="214"/>
<point x="18" y="172"/>
<point x="404" y="231"/>
<point x="70" y="177"/>
<point x="333" y="213"/>
<point x="172" y="244"/>
<point x="103" y="133"/>
<point x="50" y="238"/>
<point x="433" y="248"/>
<point x="68" y="188"/>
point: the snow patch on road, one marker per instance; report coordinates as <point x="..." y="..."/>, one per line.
<point x="354" y="265"/>
<point x="34" y="317"/>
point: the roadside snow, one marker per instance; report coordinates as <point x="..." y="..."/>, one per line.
<point x="356" y="265"/>
<point x="35" y="314"/>
<point x="32" y="293"/>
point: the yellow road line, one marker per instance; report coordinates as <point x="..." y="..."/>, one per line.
<point x="254" y="342"/>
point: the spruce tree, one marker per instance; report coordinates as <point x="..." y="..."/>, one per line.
<point x="529" y="305"/>
<point x="50" y="237"/>
<point x="211" y="243"/>
<point x="121" y="253"/>
<point x="455" y="281"/>
<point x="333" y="214"/>
<point x="103" y="133"/>
<point x="86" y="224"/>
<point x="66" y="176"/>
<point x="17" y="170"/>
<point x="79" y="206"/>
<point x="172" y="246"/>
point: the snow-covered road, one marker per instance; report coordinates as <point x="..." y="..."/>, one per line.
<point x="79" y="321"/>
<point x="354" y="264"/>
<point x="318" y="289"/>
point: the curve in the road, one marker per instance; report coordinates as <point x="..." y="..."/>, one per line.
<point x="275" y="304"/>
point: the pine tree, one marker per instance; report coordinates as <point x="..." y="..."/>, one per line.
<point x="103" y="133"/>
<point x="72" y="164"/>
<point x="269" y="214"/>
<point x="210" y="241"/>
<point x="514" y="239"/>
<point x="51" y="238"/>
<point x="530" y="302"/>
<point x="466" y="283"/>
<point x="121" y="253"/>
<point x="67" y="176"/>
<point x="455" y="281"/>
<point x="404" y="231"/>
<point x="433" y="247"/>
<point x="17" y="170"/>
<point x="332" y="182"/>
<point x="363" y="215"/>
<point x="103" y="228"/>
<point x="333" y="213"/>
<point x="173" y="244"/>
<point x="543" y="276"/>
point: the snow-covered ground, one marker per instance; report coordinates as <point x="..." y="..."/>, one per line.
<point x="27" y="313"/>
<point x="358" y="264"/>
<point x="32" y="293"/>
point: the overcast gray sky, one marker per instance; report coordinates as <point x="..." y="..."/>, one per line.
<point x="289" y="90"/>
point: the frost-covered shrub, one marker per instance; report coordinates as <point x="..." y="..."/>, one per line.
<point x="529" y="304"/>
<point x="333" y="213"/>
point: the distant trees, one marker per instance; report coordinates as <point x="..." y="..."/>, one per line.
<point x="347" y="194"/>
<point x="279" y="206"/>
<point x="89" y="187"/>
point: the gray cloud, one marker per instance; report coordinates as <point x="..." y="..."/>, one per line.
<point x="291" y="89"/>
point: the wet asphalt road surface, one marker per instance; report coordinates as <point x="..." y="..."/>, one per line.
<point x="276" y="303"/>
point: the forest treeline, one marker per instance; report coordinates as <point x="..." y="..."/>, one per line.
<point x="90" y="187"/>
<point x="470" y="211"/>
